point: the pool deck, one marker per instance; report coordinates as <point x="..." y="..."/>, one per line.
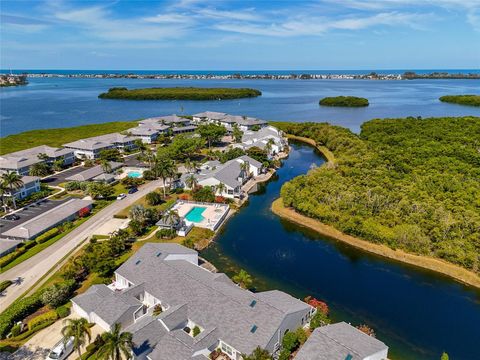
<point x="213" y="215"/>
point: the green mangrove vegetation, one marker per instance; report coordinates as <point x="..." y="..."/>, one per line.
<point x="411" y="184"/>
<point x="470" y="100"/>
<point x="59" y="136"/>
<point x="344" y="101"/>
<point x="179" y="93"/>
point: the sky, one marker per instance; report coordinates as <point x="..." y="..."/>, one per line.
<point x="240" y="35"/>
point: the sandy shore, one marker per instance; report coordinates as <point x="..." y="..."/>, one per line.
<point x="325" y="152"/>
<point x="456" y="272"/>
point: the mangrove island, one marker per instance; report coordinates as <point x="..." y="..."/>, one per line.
<point x="344" y="101"/>
<point x="470" y="100"/>
<point x="179" y="93"/>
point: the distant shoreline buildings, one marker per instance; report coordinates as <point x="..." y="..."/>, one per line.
<point x="13" y="80"/>
<point x="409" y="75"/>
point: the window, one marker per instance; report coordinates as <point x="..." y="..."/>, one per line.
<point x="227" y="349"/>
<point x="253" y="329"/>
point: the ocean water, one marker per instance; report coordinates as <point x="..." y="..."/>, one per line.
<point x="63" y="102"/>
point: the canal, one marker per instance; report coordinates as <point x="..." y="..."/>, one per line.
<point x="417" y="313"/>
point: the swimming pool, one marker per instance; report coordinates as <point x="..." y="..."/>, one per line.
<point x="195" y="214"/>
<point x="134" y="174"/>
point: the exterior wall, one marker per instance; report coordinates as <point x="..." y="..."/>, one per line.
<point x="80" y="312"/>
<point x="28" y="189"/>
<point x="381" y="355"/>
<point x="121" y="282"/>
<point x="94" y="318"/>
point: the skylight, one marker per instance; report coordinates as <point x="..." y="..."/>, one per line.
<point x="138" y="262"/>
<point x="253" y="329"/>
<point x="159" y="253"/>
<point x="253" y="303"/>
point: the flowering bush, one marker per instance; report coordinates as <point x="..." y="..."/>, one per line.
<point x="317" y="304"/>
<point x="219" y="199"/>
<point x="184" y="197"/>
<point x="366" y="329"/>
<point x="84" y="212"/>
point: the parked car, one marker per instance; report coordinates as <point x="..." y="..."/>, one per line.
<point x="12" y="217"/>
<point x="121" y="196"/>
<point x="132" y="190"/>
<point x="61" y="350"/>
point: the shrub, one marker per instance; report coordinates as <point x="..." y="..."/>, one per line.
<point x="62" y="311"/>
<point x="7" y="259"/>
<point x="166" y="234"/>
<point x="41" y="319"/>
<point x="120" y="216"/>
<point x="16" y="330"/>
<point x="196" y="331"/>
<point x="29" y="333"/>
<point x="47" y="235"/>
<point x="75" y="185"/>
<point x="5" y="284"/>
<point x="17" y="311"/>
<point x="344" y="101"/>
<point x="284" y="355"/>
<point x="290" y="341"/>
<point x="149" y="175"/>
<point x="204" y="194"/>
<point x="57" y="294"/>
<point x="319" y="319"/>
<point x="29" y="244"/>
<point x="153" y="198"/>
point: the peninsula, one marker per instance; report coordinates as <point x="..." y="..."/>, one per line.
<point x="179" y="93"/>
<point x="394" y="186"/>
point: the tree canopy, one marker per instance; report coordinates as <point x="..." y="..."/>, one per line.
<point x="471" y="100"/>
<point x="407" y="183"/>
<point x="344" y="101"/>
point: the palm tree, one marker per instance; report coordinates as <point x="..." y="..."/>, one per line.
<point x="106" y="167"/>
<point x="3" y="190"/>
<point x="79" y="330"/>
<point x="116" y="344"/>
<point x="43" y="156"/>
<point x="243" y="279"/>
<point x="188" y="164"/>
<point x="57" y="165"/>
<point x="191" y="181"/>
<point x="39" y="169"/>
<point x="221" y="188"/>
<point x="171" y="217"/>
<point x="268" y="146"/>
<point x="245" y="166"/>
<point x="165" y="168"/>
<point x="12" y="181"/>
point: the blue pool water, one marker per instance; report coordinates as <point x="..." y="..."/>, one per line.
<point x="134" y="174"/>
<point x="195" y="215"/>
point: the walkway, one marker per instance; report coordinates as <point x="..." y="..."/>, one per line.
<point x="32" y="270"/>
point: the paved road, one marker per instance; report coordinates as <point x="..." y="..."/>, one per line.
<point x="31" y="270"/>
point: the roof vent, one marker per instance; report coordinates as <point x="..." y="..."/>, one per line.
<point x="138" y="262"/>
<point x="253" y="329"/>
<point x="253" y="303"/>
<point x="349" y="357"/>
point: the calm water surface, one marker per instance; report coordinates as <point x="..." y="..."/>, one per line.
<point x="62" y="102"/>
<point x="417" y="313"/>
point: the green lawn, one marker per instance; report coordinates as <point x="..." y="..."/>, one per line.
<point x="142" y="201"/>
<point x="60" y="136"/>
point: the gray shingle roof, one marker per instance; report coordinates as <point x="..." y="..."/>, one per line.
<point x="35" y="226"/>
<point x="7" y="245"/>
<point x="251" y="161"/>
<point x="100" y="142"/>
<point x="109" y="305"/>
<point x="93" y="172"/>
<point x="211" y="115"/>
<point x="27" y="157"/>
<point x="213" y="301"/>
<point x="337" y="341"/>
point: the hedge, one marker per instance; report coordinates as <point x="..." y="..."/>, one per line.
<point x="7" y="259"/>
<point x="17" y="311"/>
<point x="5" y="284"/>
<point x="28" y="333"/>
<point x="47" y="235"/>
<point x="29" y="244"/>
<point x="41" y="319"/>
<point x="62" y="311"/>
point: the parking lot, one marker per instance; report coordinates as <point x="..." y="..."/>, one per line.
<point x="59" y="178"/>
<point x="30" y="212"/>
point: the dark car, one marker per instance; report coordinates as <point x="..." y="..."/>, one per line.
<point x="12" y="217"/>
<point x="132" y="190"/>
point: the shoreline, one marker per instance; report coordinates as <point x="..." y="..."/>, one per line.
<point x="455" y="272"/>
<point x="326" y="153"/>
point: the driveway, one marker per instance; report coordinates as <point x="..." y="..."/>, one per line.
<point x="32" y="270"/>
<point x="56" y="179"/>
<point x="29" y="212"/>
<point x="38" y="347"/>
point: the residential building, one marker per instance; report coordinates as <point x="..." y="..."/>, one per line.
<point x="208" y="117"/>
<point x="172" y="120"/>
<point x="7" y="246"/>
<point x="341" y="341"/>
<point x="161" y="295"/>
<point x="36" y="226"/>
<point x="97" y="173"/>
<point x="255" y="167"/>
<point x="21" y="161"/>
<point x="267" y="138"/>
<point x="90" y="148"/>
<point x="244" y="123"/>
<point x="31" y="185"/>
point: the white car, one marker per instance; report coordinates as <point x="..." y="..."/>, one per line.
<point x="121" y="196"/>
<point x="61" y="350"/>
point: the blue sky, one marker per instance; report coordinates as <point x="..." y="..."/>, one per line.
<point x="240" y="35"/>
